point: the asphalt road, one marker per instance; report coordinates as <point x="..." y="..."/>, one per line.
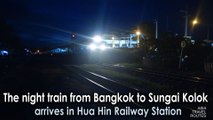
<point x="43" y="75"/>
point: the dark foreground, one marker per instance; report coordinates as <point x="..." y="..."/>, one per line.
<point x="53" y="75"/>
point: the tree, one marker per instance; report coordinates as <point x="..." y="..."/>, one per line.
<point x="169" y="50"/>
<point x="8" y="37"/>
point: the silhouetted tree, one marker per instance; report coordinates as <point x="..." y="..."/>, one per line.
<point x="8" y="38"/>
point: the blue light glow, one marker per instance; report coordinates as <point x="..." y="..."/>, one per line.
<point x="4" y="53"/>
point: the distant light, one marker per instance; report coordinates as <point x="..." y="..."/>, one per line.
<point x="138" y="32"/>
<point x="73" y="35"/>
<point x="92" y="47"/>
<point x="27" y="50"/>
<point x="97" y="39"/>
<point x="4" y="52"/>
<point x="193" y="42"/>
<point x="37" y="52"/>
<point x="194" y="22"/>
<point x="113" y="38"/>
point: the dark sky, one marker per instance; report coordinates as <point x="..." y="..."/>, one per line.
<point x="50" y="22"/>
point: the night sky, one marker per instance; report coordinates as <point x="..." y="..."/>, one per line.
<point x="50" y="22"/>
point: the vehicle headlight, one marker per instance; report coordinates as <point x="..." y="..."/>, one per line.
<point x="92" y="47"/>
<point x="102" y="47"/>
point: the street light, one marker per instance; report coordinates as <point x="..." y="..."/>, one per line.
<point x="138" y="32"/>
<point x="138" y="37"/>
<point x="194" y="22"/>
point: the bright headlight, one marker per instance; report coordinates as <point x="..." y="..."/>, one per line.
<point x="92" y="47"/>
<point x="97" y="39"/>
<point x="102" y="47"/>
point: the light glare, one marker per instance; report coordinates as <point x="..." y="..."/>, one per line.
<point x="92" y="46"/>
<point x="195" y="22"/>
<point x="97" y="39"/>
<point x="102" y="47"/>
<point x="138" y="33"/>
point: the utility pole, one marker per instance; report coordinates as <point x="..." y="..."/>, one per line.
<point x="207" y="33"/>
<point x="167" y="23"/>
<point x="73" y="43"/>
<point x="183" y="45"/>
<point x="186" y="22"/>
<point x="113" y="41"/>
<point x="156" y="29"/>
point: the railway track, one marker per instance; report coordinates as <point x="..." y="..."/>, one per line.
<point x="177" y="80"/>
<point x="113" y="86"/>
<point x="106" y="83"/>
